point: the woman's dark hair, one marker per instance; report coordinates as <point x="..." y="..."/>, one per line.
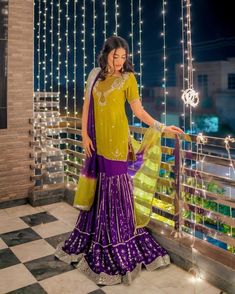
<point x="113" y="42"/>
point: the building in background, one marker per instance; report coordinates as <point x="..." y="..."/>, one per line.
<point x="215" y="82"/>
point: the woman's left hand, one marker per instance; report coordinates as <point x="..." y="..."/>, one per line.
<point x="174" y="130"/>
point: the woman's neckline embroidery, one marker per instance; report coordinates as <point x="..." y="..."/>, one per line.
<point x="117" y="84"/>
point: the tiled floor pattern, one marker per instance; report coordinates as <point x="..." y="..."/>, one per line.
<point x="28" y="237"/>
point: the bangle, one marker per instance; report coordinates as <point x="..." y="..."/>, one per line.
<point x="158" y="126"/>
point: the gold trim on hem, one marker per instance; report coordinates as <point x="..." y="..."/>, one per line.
<point x="127" y="279"/>
<point x="160" y="261"/>
<point x="65" y="257"/>
<point x="106" y="279"/>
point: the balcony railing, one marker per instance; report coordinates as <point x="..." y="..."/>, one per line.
<point x="195" y="194"/>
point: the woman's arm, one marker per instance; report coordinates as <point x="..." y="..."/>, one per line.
<point x="85" y="109"/>
<point x="86" y="140"/>
<point x="141" y="114"/>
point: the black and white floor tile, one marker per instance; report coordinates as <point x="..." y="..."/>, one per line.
<point x="28" y="238"/>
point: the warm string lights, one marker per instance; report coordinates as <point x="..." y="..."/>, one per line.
<point x="105" y="19"/>
<point x="67" y="51"/>
<point x="75" y="112"/>
<point x="94" y="31"/>
<point x="189" y="80"/>
<point x="52" y="105"/>
<point x="46" y="102"/>
<point x="164" y="80"/>
<point x="132" y="32"/>
<point x="200" y="141"/>
<point x="45" y="46"/>
<point x="135" y="121"/>
<point x="132" y="43"/>
<point x="84" y="41"/>
<point x="38" y="56"/>
<point x="189" y="95"/>
<point x="184" y="57"/>
<point x="140" y="48"/>
<point x="52" y="46"/>
<point x="116" y="17"/>
<point x="139" y="51"/>
<point x="183" y="64"/>
<point x="191" y="99"/>
<point x="58" y="47"/>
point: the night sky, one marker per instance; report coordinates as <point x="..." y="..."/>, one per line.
<point x="213" y="35"/>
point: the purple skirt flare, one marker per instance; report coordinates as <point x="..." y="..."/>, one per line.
<point x="104" y="244"/>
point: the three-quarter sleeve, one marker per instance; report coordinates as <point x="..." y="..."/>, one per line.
<point x="131" y="91"/>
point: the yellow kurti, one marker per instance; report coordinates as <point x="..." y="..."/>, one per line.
<point x="112" y="136"/>
<point x="111" y="124"/>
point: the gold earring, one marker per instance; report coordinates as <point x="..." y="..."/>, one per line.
<point x="108" y="68"/>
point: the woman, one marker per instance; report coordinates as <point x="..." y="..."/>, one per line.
<point x="109" y="242"/>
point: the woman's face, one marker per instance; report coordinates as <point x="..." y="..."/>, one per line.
<point x="116" y="59"/>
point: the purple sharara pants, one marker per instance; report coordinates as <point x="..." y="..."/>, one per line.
<point x="104" y="244"/>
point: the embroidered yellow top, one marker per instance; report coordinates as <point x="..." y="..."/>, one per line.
<point x="111" y="124"/>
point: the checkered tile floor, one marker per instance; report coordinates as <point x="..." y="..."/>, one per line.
<point x="28" y="238"/>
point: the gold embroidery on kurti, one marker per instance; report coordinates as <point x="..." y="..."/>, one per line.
<point x="111" y="124"/>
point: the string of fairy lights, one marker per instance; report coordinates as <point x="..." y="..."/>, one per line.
<point x="132" y="42"/>
<point x="187" y="74"/>
<point x="67" y="51"/>
<point x="105" y="19"/>
<point x="164" y="80"/>
<point x="132" y="31"/>
<point x="75" y="60"/>
<point x="189" y="95"/>
<point x="139" y="51"/>
<point x="45" y="45"/>
<point x="52" y="45"/>
<point x="67" y="75"/>
<point x="94" y="32"/>
<point x="183" y="60"/>
<point x="58" y="47"/>
<point x="116" y="14"/>
<point x="52" y="132"/>
<point x="84" y="40"/>
<point x="39" y="47"/>
<point x="140" y="48"/>
<point x="187" y="89"/>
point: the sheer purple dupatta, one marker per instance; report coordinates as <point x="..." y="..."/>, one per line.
<point x="86" y="187"/>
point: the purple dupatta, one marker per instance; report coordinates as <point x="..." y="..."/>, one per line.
<point x="86" y="187"/>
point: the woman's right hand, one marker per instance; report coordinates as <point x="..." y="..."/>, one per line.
<point x="87" y="145"/>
